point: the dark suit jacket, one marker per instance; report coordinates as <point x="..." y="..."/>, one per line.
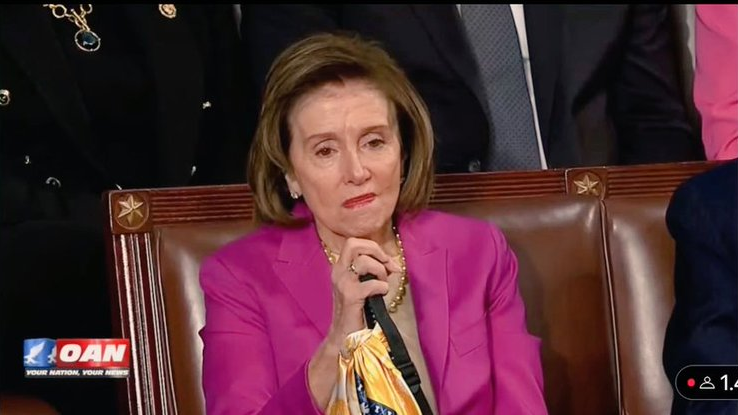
<point x="191" y="59"/>
<point x="53" y="282"/>
<point x="703" y="220"/>
<point x="604" y="77"/>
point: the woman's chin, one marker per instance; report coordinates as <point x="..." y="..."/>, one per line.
<point x="363" y="227"/>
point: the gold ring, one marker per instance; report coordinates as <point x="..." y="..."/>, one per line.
<point x="352" y="268"/>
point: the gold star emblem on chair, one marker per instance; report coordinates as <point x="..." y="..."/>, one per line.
<point x="130" y="214"/>
<point x="587" y="186"/>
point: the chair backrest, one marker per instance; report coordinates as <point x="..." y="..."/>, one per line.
<point x="595" y="275"/>
<point x="641" y="264"/>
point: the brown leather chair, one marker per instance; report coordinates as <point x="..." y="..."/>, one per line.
<point x="595" y="274"/>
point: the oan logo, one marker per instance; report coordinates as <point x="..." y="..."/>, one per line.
<point x="76" y="357"/>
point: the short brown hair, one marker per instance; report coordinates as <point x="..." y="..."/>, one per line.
<point x="309" y="64"/>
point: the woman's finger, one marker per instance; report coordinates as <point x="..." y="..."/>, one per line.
<point x="365" y="264"/>
<point x="357" y="246"/>
<point x="373" y="287"/>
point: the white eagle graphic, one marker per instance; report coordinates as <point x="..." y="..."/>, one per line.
<point x="30" y="358"/>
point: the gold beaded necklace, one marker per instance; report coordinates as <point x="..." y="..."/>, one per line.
<point x="401" y="290"/>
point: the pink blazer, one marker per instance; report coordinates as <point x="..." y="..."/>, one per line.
<point x="268" y="307"/>
<point x="716" y="78"/>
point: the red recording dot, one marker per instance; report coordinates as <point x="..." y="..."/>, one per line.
<point x="690" y="382"/>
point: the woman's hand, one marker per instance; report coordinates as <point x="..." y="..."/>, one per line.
<point x="358" y="257"/>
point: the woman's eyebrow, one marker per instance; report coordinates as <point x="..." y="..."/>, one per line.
<point x="319" y="137"/>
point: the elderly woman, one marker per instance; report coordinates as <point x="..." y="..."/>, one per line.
<point x="341" y="170"/>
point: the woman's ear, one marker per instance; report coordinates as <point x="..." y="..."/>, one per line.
<point x="293" y="186"/>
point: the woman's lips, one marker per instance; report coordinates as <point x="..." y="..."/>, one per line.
<point x="359" y="201"/>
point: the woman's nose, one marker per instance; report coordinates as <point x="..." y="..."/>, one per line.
<point x="354" y="169"/>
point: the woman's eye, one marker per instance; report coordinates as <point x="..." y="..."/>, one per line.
<point x="377" y="142"/>
<point x="324" y="152"/>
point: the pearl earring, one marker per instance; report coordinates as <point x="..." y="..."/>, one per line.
<point x="294" y="195"/>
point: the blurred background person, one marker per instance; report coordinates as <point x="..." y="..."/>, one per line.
<point x="703" y="330"/>
<point x="513" y="87"/>
<point x="703" y="219"/>
<point x="94" y="98"/>
<point x="716" y="78"/>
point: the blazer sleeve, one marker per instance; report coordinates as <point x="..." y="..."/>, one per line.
<point x="715" y="79"/>
<point x="703" y="328"/>
<point x="648" y="107"/>
<point x="239" y="376"/>
<point x="518" y="376"/>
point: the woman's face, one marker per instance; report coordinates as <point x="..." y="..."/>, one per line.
<point x="346" y="157"/>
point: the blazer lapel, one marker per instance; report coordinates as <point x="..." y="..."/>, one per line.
<point x="544" y="30"/>
<point x="178" y="75"/>
<point x="27" y="34"/>
<point x="304" y="270"/>
<point x="427" y="272"/>
<point x="444" y="27"/>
